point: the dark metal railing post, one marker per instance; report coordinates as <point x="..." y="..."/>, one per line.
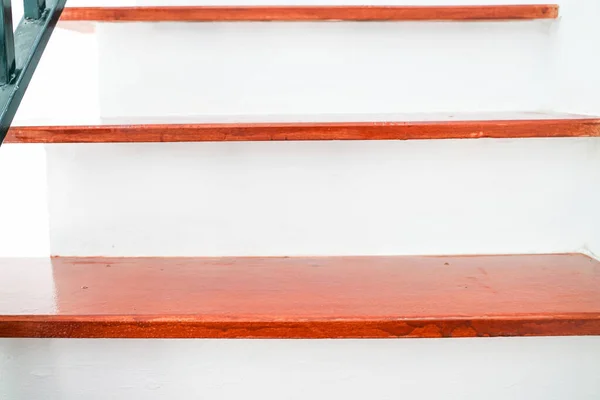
<point x="17" y="64"/>
<point x="33" y="9"/>
<point x="7" y="43"/>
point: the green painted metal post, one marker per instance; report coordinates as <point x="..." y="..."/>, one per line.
<point x="7" y="43"/>
<point x="17" y="64"/>
<point x="33" y="9"/>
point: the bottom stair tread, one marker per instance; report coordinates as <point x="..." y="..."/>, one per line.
<point x="300" y="297"/>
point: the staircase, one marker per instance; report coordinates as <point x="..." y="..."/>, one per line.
<point x="306" y="172"/>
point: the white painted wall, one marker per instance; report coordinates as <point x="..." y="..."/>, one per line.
<point x="577" y="80"/>
<point x="298" y="198"/>
<point x="268" y="68"/>
<point x="453" y="369"/>
<point x="24" y="231"/>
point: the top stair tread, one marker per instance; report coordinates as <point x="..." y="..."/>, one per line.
<point x="311" y="13"/>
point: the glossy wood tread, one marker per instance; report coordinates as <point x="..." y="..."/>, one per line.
<point x="310" y="13"/>
<point x="303" y="297"/>
<point x="432" y="126"/>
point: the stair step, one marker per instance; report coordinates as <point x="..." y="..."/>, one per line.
<point x="311" y="13"/>
<point x="317" y="127"/>
<point x="301" y="297"/>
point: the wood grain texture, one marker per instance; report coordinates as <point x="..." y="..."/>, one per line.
<point x="310" y="13"/>
<point x="552" y="126"/>
<point x="300" y="297"/>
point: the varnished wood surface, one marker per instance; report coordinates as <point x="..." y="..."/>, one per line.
<point x="513" y="125"/>
<point x="303" y="297"/>
<point x="310" y="13"/>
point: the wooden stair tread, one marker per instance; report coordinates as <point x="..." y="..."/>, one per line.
<point x="317" y="127"/>
<point x="301" y="297"/>
<point x="310" y="13"/>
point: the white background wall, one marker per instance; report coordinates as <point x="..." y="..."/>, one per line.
<point x="484" y="196"/>
<point x="453" y="369"/>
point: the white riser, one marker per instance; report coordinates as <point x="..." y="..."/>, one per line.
<point x="324" y="67"/>
<point x="466" y="369"/>
<point x="308" y="198"/>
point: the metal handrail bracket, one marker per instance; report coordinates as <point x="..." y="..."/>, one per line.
<point x="20" y="52"/>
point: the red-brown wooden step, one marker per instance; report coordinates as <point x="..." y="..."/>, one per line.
<point x="380" y="127"/>
<point x="311" y="13"/>
<point x="303" y="297"/>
